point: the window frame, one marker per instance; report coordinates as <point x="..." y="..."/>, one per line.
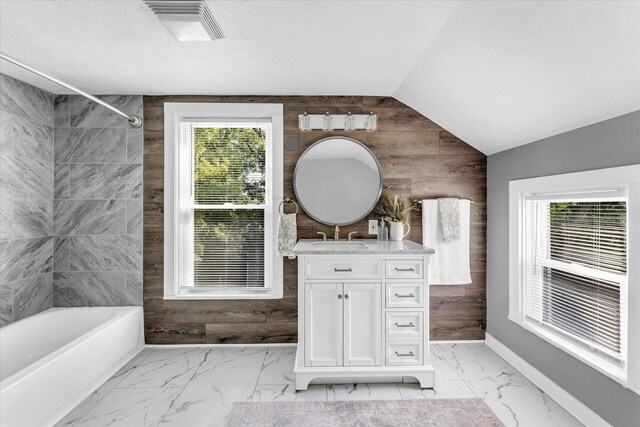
<point x="627" y="177"/>
<point x="174" y="114"/>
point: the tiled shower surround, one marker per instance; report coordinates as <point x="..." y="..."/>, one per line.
<point x="71" y="202"/>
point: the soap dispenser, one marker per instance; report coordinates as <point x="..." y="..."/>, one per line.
<point x="383" y="234"/>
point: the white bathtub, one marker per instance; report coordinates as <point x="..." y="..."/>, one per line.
<point x="52" y="361"/>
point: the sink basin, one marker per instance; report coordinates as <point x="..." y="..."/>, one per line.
<point x="340" y="245"/>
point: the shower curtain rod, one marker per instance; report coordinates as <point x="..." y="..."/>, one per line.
<point x="134" y="121"/>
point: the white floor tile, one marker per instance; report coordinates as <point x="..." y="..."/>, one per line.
<point x="287" y="393"/>
<point x="131" y="407"/>
<point x="226" y="376"/>
<point x="278" y="366"/>
<point x="72" y="417"/>
<point x="443" y="390"/>
<point x="172" y="367"/>
<point x="377" y="391"/>
<point x="197" y="387"/>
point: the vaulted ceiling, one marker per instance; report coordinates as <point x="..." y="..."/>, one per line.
<point x="497" y="74"/>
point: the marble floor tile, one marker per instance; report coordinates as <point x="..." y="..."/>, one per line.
<point x="198" y="386"/>
<point x="382" y="391"/>
<point x="131" y="407"/>
<point x="166" y="368"/>
<point x="513" y="398"/>
<point x="287" y="393"/>
<point x="226" y="376"/>
<point x="79" y="411"/>
<point x="443" y="390"/>
<point x="278" y="366"/>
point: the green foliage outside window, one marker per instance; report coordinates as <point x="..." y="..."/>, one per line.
<point x="229" y="167"/>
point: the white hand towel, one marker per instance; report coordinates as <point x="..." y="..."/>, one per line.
<point x="287" y="235"/>
<point x="450" y="264"/>
<point x="449" y="214"/>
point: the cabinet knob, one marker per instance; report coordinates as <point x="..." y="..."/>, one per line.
<point x="339" y="296"/>
<point x="346" y="296"/>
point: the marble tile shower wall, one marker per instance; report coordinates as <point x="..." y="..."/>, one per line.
<point x="26" y="200"/>
<point x="97" y="206"/>
<point x="70" y="202"/>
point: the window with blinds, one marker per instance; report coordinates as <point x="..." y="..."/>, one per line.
<point x="575" y="268"/>
<point x="222" y="193"/>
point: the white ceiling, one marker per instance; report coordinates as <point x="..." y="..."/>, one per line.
<point x="497" y="74"/>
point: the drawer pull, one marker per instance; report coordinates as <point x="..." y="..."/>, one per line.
<point x="410" y="354"/>
<point x="404" y="296"/>
<point x="405" y="269"/>
<point x="407" y="325"/>
<point x="342" y="270"/>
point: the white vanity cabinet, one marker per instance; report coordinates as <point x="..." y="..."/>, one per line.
<point x="362" y="313"/>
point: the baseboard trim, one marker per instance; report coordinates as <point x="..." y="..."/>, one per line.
<point x="457" y="342"/>
<point x="220" y="345"/>
<point x="582" y="412"/>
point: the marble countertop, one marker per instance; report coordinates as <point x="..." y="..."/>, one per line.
<point x="371" y="246"/>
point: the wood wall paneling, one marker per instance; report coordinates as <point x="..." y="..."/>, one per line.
<point x="419" y="160"/>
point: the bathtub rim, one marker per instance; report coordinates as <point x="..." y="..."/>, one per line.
<point x="119" y="313"/>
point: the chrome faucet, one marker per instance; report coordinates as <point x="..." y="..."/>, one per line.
<point x="336" y="234"/>
<point x="349" y="238"/>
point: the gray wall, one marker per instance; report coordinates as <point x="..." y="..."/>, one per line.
<point x="611" y="143"/>
<point x="97" y="207"/>
<point x="70" y="202"/>
<point x="26" y="200"/>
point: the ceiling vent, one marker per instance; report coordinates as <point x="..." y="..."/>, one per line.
<point x="187" y="20"/>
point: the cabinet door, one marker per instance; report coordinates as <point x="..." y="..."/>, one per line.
<point x="363" y="324"/>
<point x="323" y="324"/>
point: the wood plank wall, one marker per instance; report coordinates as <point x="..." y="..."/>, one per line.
<point x="419" y="160"/>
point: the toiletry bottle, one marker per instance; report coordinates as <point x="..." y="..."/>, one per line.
<point x="382" y="231"/>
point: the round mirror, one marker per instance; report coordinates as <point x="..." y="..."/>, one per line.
<point x="337" y="181"/>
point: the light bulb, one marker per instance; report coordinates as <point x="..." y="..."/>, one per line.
<point x="349" y="122"/>
<point x="304" y="123"/>
<point x="371" y="123"/>
<point x="327" y="123"/>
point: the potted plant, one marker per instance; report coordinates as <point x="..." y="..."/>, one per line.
<point x="395" y="211"/>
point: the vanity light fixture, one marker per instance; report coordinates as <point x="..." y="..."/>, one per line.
<point x="349" y="123"/>
<point x="327" y="122"/>
<point x="304" y="122"/>
<point x="371" y="124"/>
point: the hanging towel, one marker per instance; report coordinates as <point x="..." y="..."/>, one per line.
<point x="450" y="264"/>
<point x="449" y="214"/>
<point x="287" y="235"/>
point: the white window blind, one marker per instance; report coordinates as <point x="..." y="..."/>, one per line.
<point x="222" y="188"/>
<point x="575" y="272"/>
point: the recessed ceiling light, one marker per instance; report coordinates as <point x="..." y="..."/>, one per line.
<point x="187" y="20"/>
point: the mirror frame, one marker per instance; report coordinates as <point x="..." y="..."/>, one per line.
<point x="375" y="159"/>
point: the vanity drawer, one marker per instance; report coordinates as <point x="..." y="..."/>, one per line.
<point x="404" y="269"/>
<point x="404" y="353"/>
<point x="404" y="295"/>
<point x="361" y="268"/>
<point x="404" y="324"/>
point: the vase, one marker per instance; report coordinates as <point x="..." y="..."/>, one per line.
<point x="396" y="231"/>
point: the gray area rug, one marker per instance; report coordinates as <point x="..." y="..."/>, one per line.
<point x="404" y="413"/>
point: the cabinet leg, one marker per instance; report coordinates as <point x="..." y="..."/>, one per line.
<point x="302" y="382"/>
<point x="426" y="379"/>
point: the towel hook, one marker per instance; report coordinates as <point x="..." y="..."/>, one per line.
<point x="287" y="200"/>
